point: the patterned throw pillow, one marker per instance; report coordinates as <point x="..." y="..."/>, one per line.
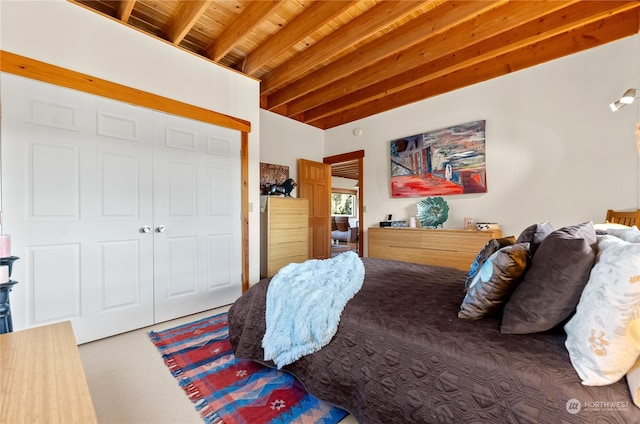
<point x="494" y="283"/>
<point x="534" y="235"/>
<point x="487" y="250"/>
<point x="552" y="285"/>
<point x="600" y="349"/>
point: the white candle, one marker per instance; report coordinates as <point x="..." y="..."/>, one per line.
<point x="5" y="245"/>
<point x="4" y="274"/>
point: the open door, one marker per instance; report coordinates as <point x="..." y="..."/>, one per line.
<point x="352" y="167"/>
<point x="315" y="184"/>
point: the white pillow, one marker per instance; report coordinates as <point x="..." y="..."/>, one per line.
<point x="630" y="234"/>
<point x="633" y="380"/>
<point x="609" y="226"/>
<point x="598" y="345"/>
<point x="633" y="375"/>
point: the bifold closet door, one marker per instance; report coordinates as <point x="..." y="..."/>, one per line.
<point x="122" y="216"/>
<point x="197" y="217"/>
<point x="76" y="191"/>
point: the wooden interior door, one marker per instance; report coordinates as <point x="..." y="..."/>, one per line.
<point x="315" y="184"/>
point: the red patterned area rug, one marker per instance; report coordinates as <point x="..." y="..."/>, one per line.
<point x="228" y="390"/>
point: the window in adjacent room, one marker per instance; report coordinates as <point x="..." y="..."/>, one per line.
<point x="343" y="202"/>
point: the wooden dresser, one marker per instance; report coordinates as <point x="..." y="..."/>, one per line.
<point x="444" y="247"/>
<point x="285" y="233"/>
<point x="42" y="379"/>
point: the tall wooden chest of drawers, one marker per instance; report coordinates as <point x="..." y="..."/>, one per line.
<point x="285" y="233"/>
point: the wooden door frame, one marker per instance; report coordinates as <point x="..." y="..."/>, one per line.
<point x="346" y="157"/>
<point x="30" y="68"/>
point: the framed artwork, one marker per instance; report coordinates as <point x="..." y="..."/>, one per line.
<point x="271" y="174"/>
<point x="440" y="162"/>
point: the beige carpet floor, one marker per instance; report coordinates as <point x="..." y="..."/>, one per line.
<point x="129" y="382"/>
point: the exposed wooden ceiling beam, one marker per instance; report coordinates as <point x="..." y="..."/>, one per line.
<point x="361" y="27"/>
<point x="556" y="23"/>
<point x="125" y="7"/>
<point x="188" y="14"/>
<point x="312" y="18"/>
<point x="252" y="16"/>
<point x="414" y="33"/>
<point x="591" y="35"/>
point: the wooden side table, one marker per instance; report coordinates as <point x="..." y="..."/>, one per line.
<point x="42" y="377"/>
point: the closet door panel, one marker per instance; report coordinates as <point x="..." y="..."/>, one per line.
<point x="197" y="201"/>
<point x="76" y="190"/>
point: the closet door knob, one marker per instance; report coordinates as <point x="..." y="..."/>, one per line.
<point x="145" y="229"/>
<point x="161" y="229"/>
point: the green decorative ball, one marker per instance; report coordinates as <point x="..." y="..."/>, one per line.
<point x="433" y="211"/>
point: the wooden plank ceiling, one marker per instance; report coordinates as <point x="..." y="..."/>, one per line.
<point x="327" y="63"/>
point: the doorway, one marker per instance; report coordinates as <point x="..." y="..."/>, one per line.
<point x="350" y="166"/>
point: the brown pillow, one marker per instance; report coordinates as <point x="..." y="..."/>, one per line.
<point x="552" y="285"/>
<point x="534" y="234"/>
<point x="342" y="223"/>
<point x="494" y="283"/>
<point x="487" y="250"/>
<point x="334" y="226"/>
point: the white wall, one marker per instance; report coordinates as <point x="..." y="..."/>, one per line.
<point x="67" y="35"/>
<point x="554" y="149"/>
<point x="283" y="141"/>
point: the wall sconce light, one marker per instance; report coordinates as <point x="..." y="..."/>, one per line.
<point x="627" y="98"/>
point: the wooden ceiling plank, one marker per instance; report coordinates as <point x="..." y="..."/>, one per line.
<point x="186" y="17"/>
<point x="424" y="27"/>
<point x="579" y="39"/>
<point x="125" y="7"/>
<point x="552" y="25"/>
<point x="363" y="26"/>
<point x="252" y="16"/>
<point x="482" y="27"/>
<point x="312" y="18"/>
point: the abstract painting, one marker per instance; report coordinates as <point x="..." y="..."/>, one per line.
<point x="440" y="162"/>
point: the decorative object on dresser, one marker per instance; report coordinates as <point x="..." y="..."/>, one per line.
<point x="285" y="233"/>
<point x="440" y="162"/>
<point x="281" y="189"/>
<point x="271" y="175"/>
<point x="456" y="248"/>
<point x="433" y="212"/>
<point x="484" y="226"/>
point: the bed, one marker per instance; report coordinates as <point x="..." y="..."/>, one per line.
<point x="402" y="355"/>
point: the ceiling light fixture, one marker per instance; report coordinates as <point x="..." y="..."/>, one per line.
<point x="627" y="98"/>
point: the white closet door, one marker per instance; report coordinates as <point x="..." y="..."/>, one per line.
<point x="197" y="217"/>
<point x="76" y="190"/>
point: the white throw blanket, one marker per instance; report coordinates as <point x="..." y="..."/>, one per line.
<point x="304" y="305"/>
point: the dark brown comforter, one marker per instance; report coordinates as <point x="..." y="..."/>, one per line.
<point x="401" y="355"/>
